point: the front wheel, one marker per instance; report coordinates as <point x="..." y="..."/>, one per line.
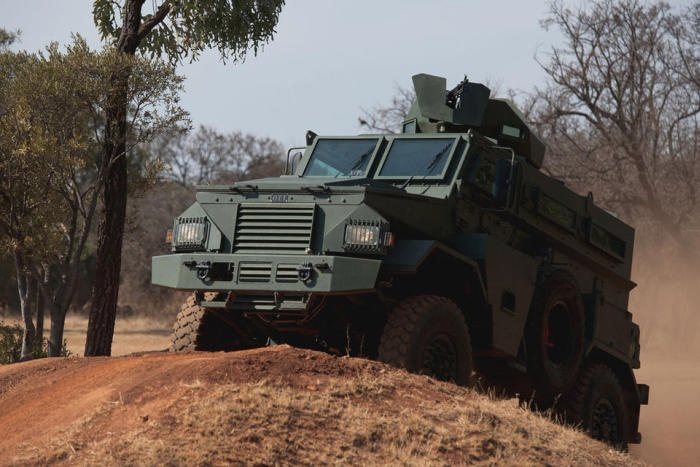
<point x="427" y="334"/>
<point x="598" y="404"/>
<point x="200" y="328"/>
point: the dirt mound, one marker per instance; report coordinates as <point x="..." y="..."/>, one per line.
<point x="277" y="405"/>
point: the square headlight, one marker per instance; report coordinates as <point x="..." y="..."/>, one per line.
<point x="362" y="235"/>
<point x="367" y="236"/>
<point x="190" y="233"/>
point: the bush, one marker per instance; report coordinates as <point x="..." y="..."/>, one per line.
<point x="11" y="345"/>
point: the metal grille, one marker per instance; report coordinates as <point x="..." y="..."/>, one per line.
<point x="254" y="272"/>
<point x="287" y="273"/>
<point x="273" y="228"/>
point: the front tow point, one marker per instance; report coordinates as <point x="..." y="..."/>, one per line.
<point x="202" y="267"/>
<point x="305" y="271"/>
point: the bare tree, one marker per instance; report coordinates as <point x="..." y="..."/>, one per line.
<point x="208" y="156"/>
<point x="387" y="119"/>
<point x="620" y="112"/>
<point x="150" y="215"/>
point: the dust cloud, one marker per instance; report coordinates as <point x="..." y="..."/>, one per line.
<point x="666" y="305"/>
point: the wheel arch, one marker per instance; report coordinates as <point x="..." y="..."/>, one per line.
<point x="430" y="267"/>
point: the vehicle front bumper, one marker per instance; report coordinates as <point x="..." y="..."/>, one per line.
<point x="253" y="273"/>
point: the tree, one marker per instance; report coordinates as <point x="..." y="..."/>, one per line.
<point x="51" y="127"/>
<point x="7" y="38"/>
<point x="176" y="29"/>
<point x="208" y="156"/>
<point x="387" y="119"/>
<point x="621" y="111"/>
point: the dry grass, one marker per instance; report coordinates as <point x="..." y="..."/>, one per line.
<point x="393" y="419"/>
<point x="131" y="334"/>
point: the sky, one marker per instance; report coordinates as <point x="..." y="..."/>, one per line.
<point x="330" y="59"/>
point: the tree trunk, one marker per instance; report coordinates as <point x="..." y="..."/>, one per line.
<point x="58" y="320"/>
<point x="105" y="293"/>
<point x="25" y="306"/>
<point x="103" y="311"/>
<point x="39" y="304"/>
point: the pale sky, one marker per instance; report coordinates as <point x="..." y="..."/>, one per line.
<point x="331" y="58"/>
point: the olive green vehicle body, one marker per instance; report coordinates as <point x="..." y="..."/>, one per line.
<point x="455" y="205"/>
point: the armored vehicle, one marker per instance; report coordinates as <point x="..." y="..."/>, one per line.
<point x="442" y="249"/>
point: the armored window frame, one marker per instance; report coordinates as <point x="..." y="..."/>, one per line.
<point x="417" y="177"/>
<point x="367" y="164"/>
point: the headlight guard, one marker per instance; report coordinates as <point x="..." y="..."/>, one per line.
<point x="190" y="233"/>
<point x="367" y="236"/>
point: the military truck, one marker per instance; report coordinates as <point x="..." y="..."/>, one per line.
<point x="442" y="249"/>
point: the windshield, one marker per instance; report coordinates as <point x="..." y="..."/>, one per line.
<point x="417" y="158"/>
<point x="341" y="157"/>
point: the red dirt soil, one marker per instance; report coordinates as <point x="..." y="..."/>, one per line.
<point x="61" y="391"/>
<point x="48" y="407"/>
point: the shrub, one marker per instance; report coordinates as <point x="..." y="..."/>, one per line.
<point x="11" y="345"/>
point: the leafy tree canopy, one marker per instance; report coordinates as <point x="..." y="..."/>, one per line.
<point x="188" y="27"/>
<point x="52" y="127"/>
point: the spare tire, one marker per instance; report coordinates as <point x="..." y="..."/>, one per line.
<point x="555" y="337"/>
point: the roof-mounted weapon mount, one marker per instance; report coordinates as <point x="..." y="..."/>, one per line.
<point x="467" y="106"/>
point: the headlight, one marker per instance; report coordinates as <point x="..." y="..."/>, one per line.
<point x="190" y="233"/>
<point x="365" y="235"/>
<point x="369" y="236"/>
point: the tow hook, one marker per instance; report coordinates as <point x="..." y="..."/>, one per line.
<point x="305" y="271"/>
<point x="203" y="268"/>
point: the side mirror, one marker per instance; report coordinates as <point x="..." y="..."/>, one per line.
<point x="291" y="166"/>
<point x="294" y="162"/>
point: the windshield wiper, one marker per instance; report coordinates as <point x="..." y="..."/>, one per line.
<point x="437" y="157"/>
<point x="430" y="166"/>
<point x="358" y="162"/>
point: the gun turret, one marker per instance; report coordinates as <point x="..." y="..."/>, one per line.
<point x="467" y="106"/>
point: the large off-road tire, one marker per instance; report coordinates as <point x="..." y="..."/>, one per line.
<point x="597" y="403"/>
<point x="555" y="337"/>
<point x="427" y="334"/>
<point x="200" y="328"/>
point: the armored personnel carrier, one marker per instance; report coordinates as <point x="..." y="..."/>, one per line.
<point x="442" y="249"/>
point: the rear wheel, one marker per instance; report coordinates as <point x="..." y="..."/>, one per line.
<point x="200" y="328"/>
<point x="598" y="404"/>
<point x="427" y="334"/>
<point x="555" y="337"/>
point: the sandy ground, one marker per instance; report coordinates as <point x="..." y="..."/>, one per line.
<point x="130" y="335"/>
